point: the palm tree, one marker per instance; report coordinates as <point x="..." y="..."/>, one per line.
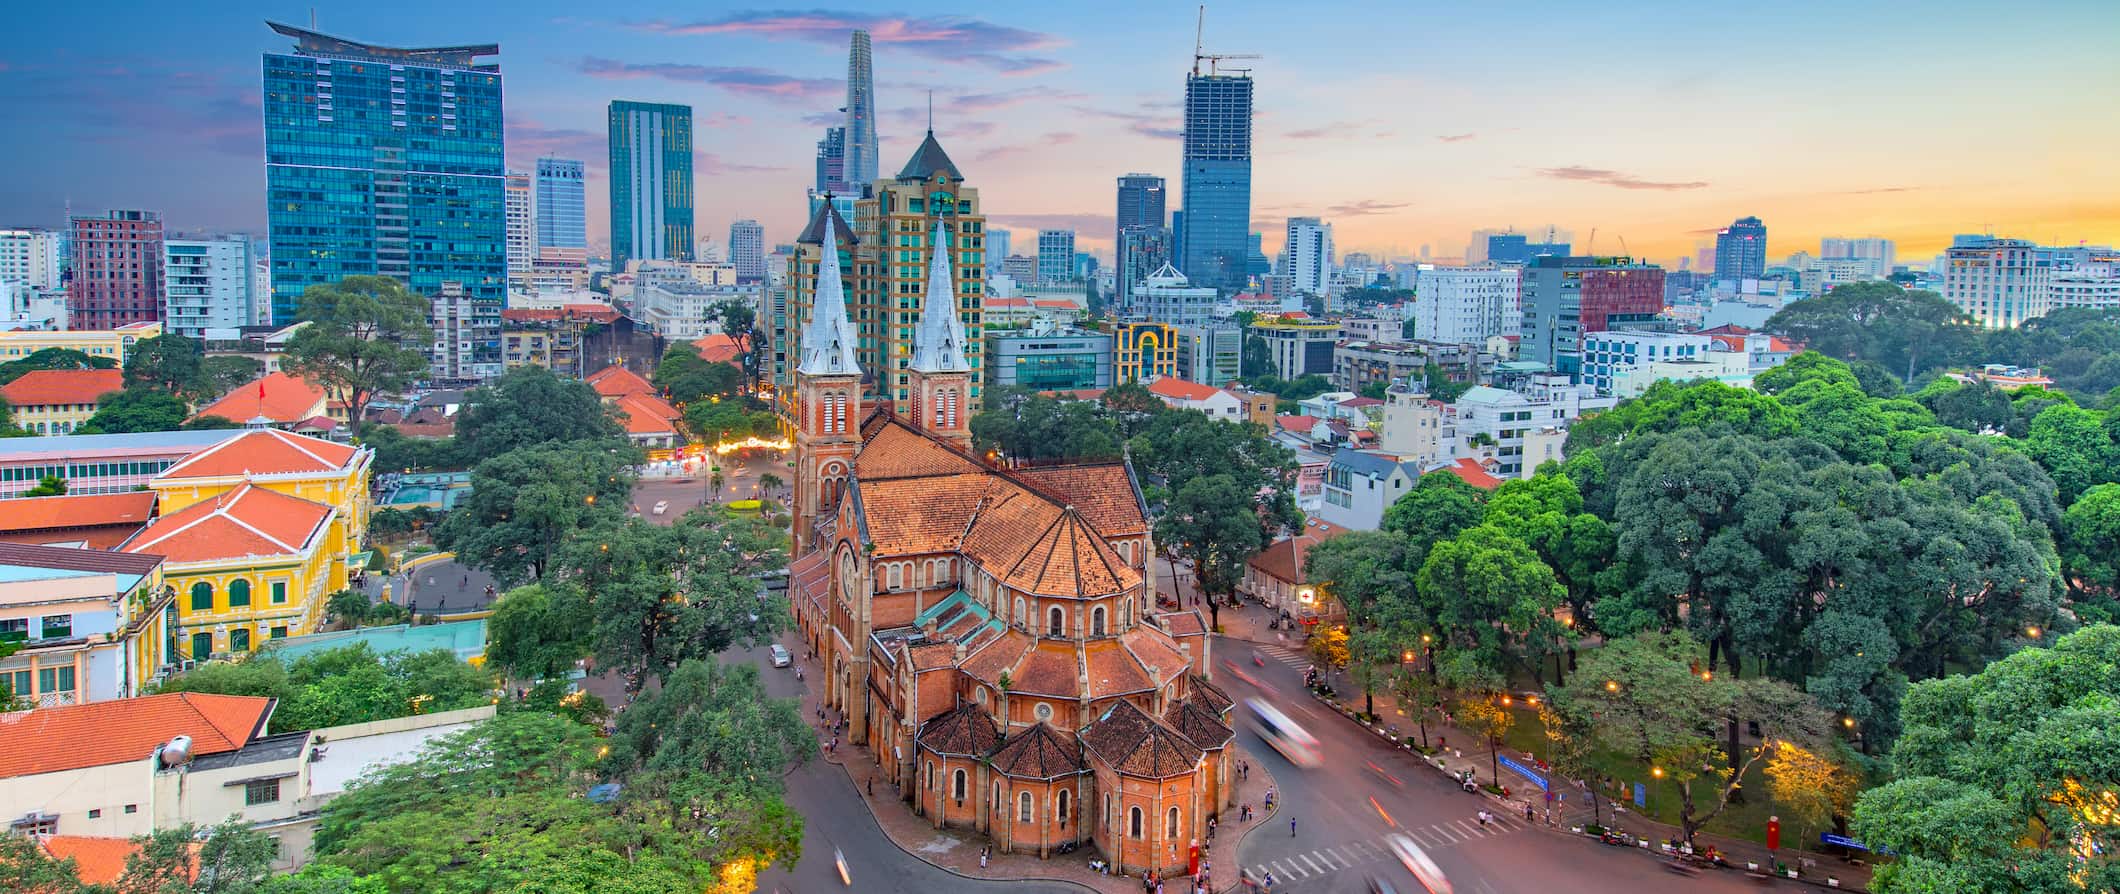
<point x="348" y="607"/>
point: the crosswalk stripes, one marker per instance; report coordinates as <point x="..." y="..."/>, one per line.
<point x="1284" y="656"/>
<point x="1327" y="860"/>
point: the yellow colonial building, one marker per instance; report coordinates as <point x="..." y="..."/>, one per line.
<point x="258" y="532"/>
<point x="115" y="344"/>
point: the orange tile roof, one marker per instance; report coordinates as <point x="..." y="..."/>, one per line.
<point x="1039" y="752"/>
<point x="895" y="450"/>
<point x="81" y="511"/>
<point x="718" y="348"/>
<point x="1049" y="667"/>
<point x="1178" y="389"/>
<point x="998" y="655"/>
<point x="1010" y="303"/>
<point x="1185" y="623"/>
<point x="1068" y="559"/>
<point x="50" y="740"/>
<point x="963" y="730"/>
<point x="97" y="861"/>
<point x="646" y="414"/>
<point x="249" y="521"/>
<point x="601" y="313"/>
<point x="1472" y="473"/>
<point x="265" y="452"/>
<point x="920" y="515"/>
<point x="281" y="397"/>
<point x="1102" y="492"/>
<point x="58" y="387"/>
<point x="615" y="381"/>
<point x="1135" y="744"/>
<point x="1055" y="304"/>
<point x="1297" y="424"/>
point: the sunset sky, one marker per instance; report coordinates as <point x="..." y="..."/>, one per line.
<point x="1403" y="124"/>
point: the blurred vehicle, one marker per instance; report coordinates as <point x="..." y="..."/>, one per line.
<point x="1380" y="886"/>
<point x="781" y="658"/>
<point x="662" y="507"/>
<point x="1416" y="861"/>
<point x="840" y="860"/>
<point x="1301" y="748"/>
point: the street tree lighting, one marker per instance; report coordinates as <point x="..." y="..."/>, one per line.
<point x="1611" y="685"/>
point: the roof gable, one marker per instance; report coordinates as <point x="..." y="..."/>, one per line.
<point x="279" y="397"/>
<point x="264" y="452"/>
<point x="1039" y="752"/>
<point x="618" y="381"/>
<point x="61" y="387"/>
<point x="1136" y="744"/>
<point x="49" y="740"/>
<point x="248" y="522"/>
<point x="927" y="160"/>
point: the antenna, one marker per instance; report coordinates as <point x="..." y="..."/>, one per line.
<point x="931" y="110"/>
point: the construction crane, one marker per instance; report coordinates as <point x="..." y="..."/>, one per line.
<point x="1214" y="60"/>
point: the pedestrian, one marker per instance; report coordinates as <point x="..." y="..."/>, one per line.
<point x="1527" y="812"/>
<point x="1483" y="817"/>
<point x="982" y="858"/>
<point x="1291" y="827"/>
<point x="872" y="786"/>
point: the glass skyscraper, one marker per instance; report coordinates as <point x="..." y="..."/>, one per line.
<point x="651" y="182"/>
<point x="1217" y="179"/>
<point x="562" y="212"/>
<point x="385" y="160"/>
<point x="1741" y="250"/>
<point x="1140" y="204"/>
<point x="861" y="149"/>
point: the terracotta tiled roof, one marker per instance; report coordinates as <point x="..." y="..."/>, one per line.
<point x="1102" y="492"/>
<point x="1039" y="752"/>
<point x="1049" y="667"/>
<point x="718" y="348"/>
<point x="964" y="730"/>
<point x="49" y="740"/>
<point x="1178" y="389"/>
<point x="1151" y="647"/>
<point x="1055" y="304"/>
<point x="921" y="515"/>
<point x="932" y="656"/>
<point x="1185" y="623"/>
<point x="986" y="663"/>
<point x="280" y="396"/>
<point x="1209" y="696"/>
<point x="249" y="521"/>
<point x="1115" y="671"/>
<point x="1779" y="346"/>
<point x="70" y="559"/>
<point x="316" y="423"/>
<point x="56" y="387"/>
<point x="896" y="451"/>
<point x="1198" y="725"/>
<point x="615" y="380"/>
<point x="1068" y="559"/>
<point x="1470" y="471"/>
<point x="81" y="511"/>
<point x="1298" y="424"/>
<point x="646" y="414"/>
<point x="97" y="861"/>
<point x="1361" y="402"/>
<point x="1135" y="744"/>
<point x="264" y="452"/>
<point x="1007" y="303"/>
<point x="1285" y="559"/>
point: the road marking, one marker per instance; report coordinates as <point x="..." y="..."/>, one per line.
<point x="1297" y="871"/>
<point x="1471" y="831"/>
<point x="1307" y="861"/>
<point x="1343" y="857"/>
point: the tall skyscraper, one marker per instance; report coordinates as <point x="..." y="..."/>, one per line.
<point x="522" y="227"/>
<point x="117" y="270"/>
<point x="1142" y="250"/>
<point x="1140" y="203"/>
<point x="861" y="164"/>
<point x="1999" y="282"/>
<point x="208" y="284"/>
<point x="651" y="182"/>
<point x="1741" y="250"/>
<point x="562" y="209"/>
<point x="1217" y="179"/>
<point x="1056" y="255"/>
<point x="1310" y="255"/>
<point x="1466" y="304"/>
<point x="31" y="257"/>
<point x="388" y="161"/>
<point x="832" y="162"/>
<point x="996" y="249"/>
<point x="747" y="250"/>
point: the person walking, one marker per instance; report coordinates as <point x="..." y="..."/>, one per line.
<point x="1292" y="827"/>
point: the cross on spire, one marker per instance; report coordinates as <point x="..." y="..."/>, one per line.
<point x="828" y="338"/>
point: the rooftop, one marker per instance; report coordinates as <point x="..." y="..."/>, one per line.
<point x="50" y="740"/>
<point x="59" y="387"/>
<point x="616" y="381"/>
<point x="153" y="443"/>
<point x="265" y="452"/>
<point x="248" y="522"/>
<point x="62" y="518"/>
<point x="465" y="639"/>
<point x="283" y="398"/>
<point x="317" y="43"/>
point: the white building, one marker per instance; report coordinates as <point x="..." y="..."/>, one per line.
<point x="1877" y="255"/>
<point x="1308" y="256"/>
<point x="1056" y="255"/>
<point x="747" y="249"/>
<point x="31" y="256"/>
<point x="1466" y="304"/>
<point x="1167" y="296"/>
<point x="521" y="210"/>
<point x="459" y="324"/>
<point x="1359" y="486"/>
<point x="209" y="284"/>
<point x="678" y="310"/>
<point x="1728" y="367"/>
<point x="1416" y="427"/>
<point x="2094" y="286"/>
<point x="1614" y="349"/>
<point x="90" y="625"/>
<point x="1520" y="429"/>
<point x="1180" y="394"/>
<point x="1999" y="282"/>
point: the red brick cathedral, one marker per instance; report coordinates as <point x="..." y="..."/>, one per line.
<point x="991" y="634"/>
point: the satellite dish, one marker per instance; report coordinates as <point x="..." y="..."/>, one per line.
<point x="176" y="753"/>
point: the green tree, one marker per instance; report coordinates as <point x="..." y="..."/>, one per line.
<point x="716" y="421"/>
<point x="1419" y="694"/>
<point x="2091" y="543"/>
<point x="1367" y="573"/>
<point x="1371" y="655"/>
<point x="1974" y="406"/>
<point x="1492" y="597"/>
<point x="1254" y="359"/>
<point x="367" y="335"/>
<point x="2003" y="778"/>
<point x="2072" y="444"/>
<point x="535" y="636"/>
<point x="686" y="377"/>
<point x="229" y="858"/>
<point x="348" y="607"/>
<point x="1036" y="427"/>
<point x="47" y="486"/>
<point x="349" y="684"/>
<point x="25" y="867"/>
<point x="222" y="374"/>
<point x="1212" y="522"/>
<point x="137" y="410"/>
<point x="167" y="362"/>
<point x="52" y="358"/>
<point x="1904" y="331"/>
<point x="529" y="405"/>
<point x="739" y="321"/>
<point x="712" y="718"/>
<point x="525" y="503"/>
<point x="1440" y="506"/>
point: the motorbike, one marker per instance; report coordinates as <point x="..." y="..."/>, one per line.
<point x="1614" y="838"/>
<point x="840" y="860"/>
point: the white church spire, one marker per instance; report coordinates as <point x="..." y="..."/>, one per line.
<point x="938" y="345"/>
<point x="828" y="338"/>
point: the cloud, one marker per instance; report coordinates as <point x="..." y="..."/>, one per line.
<point x="1086" y="225"/>
<point x="1455" y="137"/>
<point x="953" y="39"/>
<point x="1004" y="99"/>
<point x="725" y="119"/>
<point x="1617" y="179"/>
<point x="529" y="139"/>
<point x="999" y="152"/>
<point x="1365" y="207"/>
<point x="1336" y="128"/>
<point x="825" y="119"/>
<point x="741" y="80"/>
<point x="709" y="164"/>
<point x="146" y="106"/>
<point x="1159" y="127"/>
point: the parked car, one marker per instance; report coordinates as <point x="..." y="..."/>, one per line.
<point x="781" y="658"/>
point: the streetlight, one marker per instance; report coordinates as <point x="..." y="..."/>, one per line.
<point x="1657" y="772"/>
<point x="1611" y="685"/>
<point x="2032" y="631"/>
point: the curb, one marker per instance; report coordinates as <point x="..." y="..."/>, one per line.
<point x="869" y="810"/>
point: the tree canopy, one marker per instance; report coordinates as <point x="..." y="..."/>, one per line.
<point x="367" y="335"/>
<point x="349" y="684"/>
<point x="524" y="503"/>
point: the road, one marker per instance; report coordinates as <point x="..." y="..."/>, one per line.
<point x="1339" y="810"/>
<point x="739" y="482"/>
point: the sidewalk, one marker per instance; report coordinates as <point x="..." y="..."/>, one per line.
<point x="1466" y="751"/>
<point x="956" y="850"/>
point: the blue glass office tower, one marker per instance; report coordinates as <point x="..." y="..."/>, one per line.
<point x="562" y="210"/>
<point x="385" y="160"/>
<point x="1217" y="163"/>
<point x="651" y="182"/>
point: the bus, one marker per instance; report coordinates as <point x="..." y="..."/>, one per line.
<point x="1301" y="748"/>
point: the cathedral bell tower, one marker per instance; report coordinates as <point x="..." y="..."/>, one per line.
<point x="827" y="398"/>
<point x="941" y="376"/>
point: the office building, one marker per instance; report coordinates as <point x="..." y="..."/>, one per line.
<point x="1309" y="257"/>
<point x="117" y="270"/>
<point x="1217" y="180"/>
<point x="1605" y="353"/>
<point x="522" y="228"/>
<point x="462" y="325"/>
<point x="747" y="250"/>
<point x="2093" y="286"/>
<point x="1166" y="296"/>
<point x="1465" y="304"/>
<point x="1140" y="204"/>
<point x="1143" y="350"/>
<point x="208" y="284"/>
<point x="1297" y="345"/>
<point x="31" y="257"/>
<point x="651" y="182"/>
<point x="1999" y="282"/>
<point x="1522" y="429"/>
<point x="115" y="344"/>
<point x="1516" y="248"/>
<point x="1023" y="269"/>
<point x="997" y="246"/>
<point x="1141" y="251"/>
<point x="885" y="250"/>
<point x="1564" y="298"/>
<point x="386" y="161"/>
<point x="1741" y="250"/>
<point x="562" y="206"/>
<point x="832" y="164"/>
<point x="1056" y="255"/>
<point x="1878" y="255"/>
<point x="1210" y="354"/>
<point x="1046" y="356"/>
<point x="677" y="309"/>
<point x="862" y="160"/>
